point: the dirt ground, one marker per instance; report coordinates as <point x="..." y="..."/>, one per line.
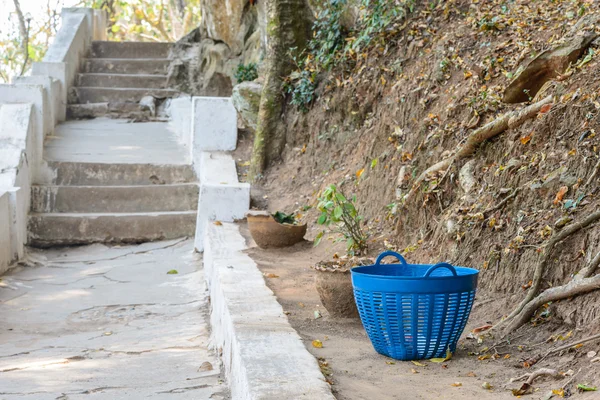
<point x="356" y="371"/>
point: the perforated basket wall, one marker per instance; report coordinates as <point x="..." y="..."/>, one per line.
<point x="414" y="326"/>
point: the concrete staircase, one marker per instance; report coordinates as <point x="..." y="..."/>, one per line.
<point x="110" y="180"/>
<point x="116" y="76"/>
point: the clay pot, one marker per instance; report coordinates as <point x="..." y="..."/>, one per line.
<point x="335" y="290"/>
<point x="267" y="232"/>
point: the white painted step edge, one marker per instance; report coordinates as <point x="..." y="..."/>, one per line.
<point x="263" y="356"/>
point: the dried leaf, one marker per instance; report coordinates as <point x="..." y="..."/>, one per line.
<point x="218" y="223"/>
<point x="414" y="371"/>
<point x="484" y="357"/>
<point x="481" y="329"/>
<point x="359" y="173"/>
<point x="525" y="139"/>
<point x="441" y="360"/>
<point x="456" y="384"/>
<point x="561" y="193"/>
<point x="418" y="364"/>
<point x="545" y="108"/>
<point x="526" y="388"/>
<point x="559" y="392"/>
<point x="317" y="344"/>
<point x="270" y="275"/>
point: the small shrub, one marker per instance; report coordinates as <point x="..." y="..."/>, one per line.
<point x="340" y="212"/>
<point x="245" y="73"/>
<point x="284" y="218"/>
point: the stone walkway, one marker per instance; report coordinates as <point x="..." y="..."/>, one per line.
<point x="100" y="322"/>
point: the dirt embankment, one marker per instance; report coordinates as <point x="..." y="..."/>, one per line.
<point x="413" y="100"/>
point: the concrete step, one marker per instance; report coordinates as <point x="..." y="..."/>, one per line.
<point x="114" y="199"/>
<point x="104" y="49"/>
<point x="123" y="81"/>
<point x="96" y="110"/>
<point x="153" y="66"/>
<point x="100" y="174"/>
<point x="64" y="229"/>
<point x="82" y="95"/>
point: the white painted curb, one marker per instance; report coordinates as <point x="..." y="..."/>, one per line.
<point x="263" y="356"/>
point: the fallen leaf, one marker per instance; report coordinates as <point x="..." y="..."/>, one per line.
<point x="317" y="314"/>
<point x="270" y="275"/>
<point x="418" y="364"/>
<point x="317" y="344"/>
<point x="559" y="392"/>
<point x="359" y="173"/>
<point x="441" y="360"/>
<point x="107" y="333"/>
<point x="206" y="366"/>
<point x="561" y="193"/>
<point x="487" y="386"/>
<point x="586" y="388"/>
<point x="414" y="371"/>
<point x="482" y="328"/>
<point x="484" y="357"/>
<point x="472" y="374"/>
<point x="456" y="384"/>
<point x="172" y="272"/>
<point x="526" y="388"/>
<point x="218" y="223"/>
<point x="390" y="363"/>
<point x="525" y="139"/>
<point x="545" y="108"/>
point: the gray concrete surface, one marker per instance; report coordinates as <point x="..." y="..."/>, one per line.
<point x="104" y="49"/>
<point x="104" y="140"/>
<point x="126" y="66"/>
<point x="85" y="95"/>
<point x="108" y="323"/>
<point x="114" y="199"/>
<point x="123" y="81"/>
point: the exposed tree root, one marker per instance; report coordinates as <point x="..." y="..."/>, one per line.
<point x="593" y="175"/>
<point x="541" y="269"/>
<point x="507" y="121"/>
<point x="574" y="288"/>
<point x="536" y="374"/>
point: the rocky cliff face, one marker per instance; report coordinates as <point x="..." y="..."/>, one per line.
<point x="231" y="32"/>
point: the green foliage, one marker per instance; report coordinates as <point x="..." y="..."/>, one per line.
<point x="284" y="218"/>
<point x="248" y="72"/>
<point x="331" y="44"/>
<point x="377" y="16"/>
<point x="340" y="212"/>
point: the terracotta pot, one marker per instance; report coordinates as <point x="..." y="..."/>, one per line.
<point x="267" y="232"/>
<point x="335" y="291"/>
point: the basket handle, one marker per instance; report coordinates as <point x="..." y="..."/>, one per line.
<point x="441" y="265"/>
<point x="393" y="254"/>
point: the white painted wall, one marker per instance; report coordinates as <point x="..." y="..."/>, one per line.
<point x="5" y="221"/>
<point x="222" y="197"/>
<point x="30" y="108"/>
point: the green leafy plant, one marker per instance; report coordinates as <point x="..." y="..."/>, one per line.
<point x="340" y="215"/>
<point x="332" y="44"/>
<point x="248" y="72"/>
<point x="284" y="218"/>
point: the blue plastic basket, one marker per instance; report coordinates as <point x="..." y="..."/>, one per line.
<point x="413" y="311"/>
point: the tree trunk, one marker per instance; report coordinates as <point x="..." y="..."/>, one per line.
<point x="288" y="26"/>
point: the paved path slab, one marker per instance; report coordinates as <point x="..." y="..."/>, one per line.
<point x="105" y="140"/>
<point x="96" y="322"/>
